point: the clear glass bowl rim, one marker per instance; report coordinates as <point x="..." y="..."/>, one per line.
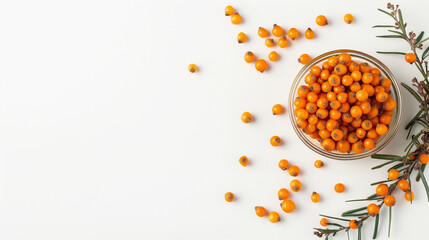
<point x="396" y="94"/>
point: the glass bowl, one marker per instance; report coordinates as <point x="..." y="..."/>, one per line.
<point x="358" y="57"/>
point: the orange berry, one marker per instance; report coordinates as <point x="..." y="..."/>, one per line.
<point x="367" y="78"/>
<point x="385" y="119"/>
<point x="229" y="10"/>
<point x="274" y="217"/>
<point x="333" y="61"/>
<point x="336" y="134"/>
<point x="324" y="222"/>
<point x="262" y="32"/>
<point x="343" y="146"/>
<point x="192" y="68"/>
<point x="283" y="42"/>
<point x="236" y="18"/>
<point x="261" y="65"/>
<point x="362" y="95"/>
<point x="328" y="145"/>
<point x="277" y="31"/>
<point x="241" y="37"/>
<point x="293" y="171"/>
<point x="382" y="189"/>
<point x="243" y="161"/>
<point x="381" y="129"/>
<point x="353" y="224"/>
<point x="246" y="117"/>
<point x="229" y="197"/>
<point x="356" y="112"/>
<point x="373" y="209"/>
<point x="403" y="185"/>
<point x="340" y="69"/>
<point x="369" y="144"/>
<point x="348" y="18"/>
<point x="315" y="197"/>
<point x="393" y="174"/>
<point x="364" y="67"/>
<point x="318" y="164"/>
<point x="304" y="58"/>
<point x="410" y="58"/>
<point x="321" y="20"/>
<point x="275" y="141"/>
<point x="283" y="194"/>
<point x="344" y="58"/>
<point x="293" y="33"/>
<point x="381" y="97"/>
<point x="288" y="206"/>
<point x="309" y="34"/>
<point x="295" y="185"/>
<point x="283" y="164"/>
<point x="389" y="105"/>
<point x="277" y="109"/>
<point x="260" y="211"/>
<point x="273" y="56"/>
<point x="269" y="42"/>
<point x="389" y="201"/>
<point x="409" y="196"/>
<point x="339" y="188"/>
<point x="334" y="80"/>
<point x="249" y="57"/>
<point x="347" y="80"/>
<point x="354" y="66"/>
<point x="424" y="158"/>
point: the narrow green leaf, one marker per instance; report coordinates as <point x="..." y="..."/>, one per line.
<point x="390" y="220"/>
<point x="396" y="166"/>
<point x="425" y="53"/>
<point x="401" y="20"/>
<point x="418" y="174"/>
<point x="425" y="183"/>
<point x="420" y="36"/>
<point x="335" y="224"/>
<point x="414" y="93"/>
<point x="390" y="36"/>
<point x="364" y="199"/>
<point x="360" y="232"/>
<point x="372" y="196"/>
<point x="414" y="118"/>
<point x="384" y="181"/>
<point x="383" y="26"/>
<point x="336" y="218"/>
<point x="355" y="210"/>
<point x="410" y="145"/>
<point x="387" y="163"/>
<point x="326" y="230"/>
<point x="400" y="53"/>
<point x="381" y="10"/>
<point x="393" y="31"/>
<point x="384" y="156"/>
<point x="353" y="214"/>
<point x="422" y="41"/>
<point x="377" y="218"/>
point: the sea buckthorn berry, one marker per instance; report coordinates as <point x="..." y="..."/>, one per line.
<point x="356" y="75"/>
<point x="315" y="197"/>
<point x="393" y="174"/>
<point x="360" y="133"/>
<point x="382" y="189"/>
<point x="358" y="147"/>
<point x="236" y="18"/>
<point x="324" y="133"/>
<point x="385" y="82"/>
<point x="337" y="134"/>
<point x="283" y="42"/>
<point x="345" y="107"/>
<point x="275" y="141"/>
<point x="369" y="143"/>
<point x="274" y="217"/>
<point x="326" y="87"/>
<point x="340" y="69"/>
<point x="334" y="114"/>
<point x="310" y="78"/>
<point x="332" y="124"/>
<point x="249" y="57"/>
<point x="369" y="89"/>
<point x="229" y="10"/>
<point x="355" y="87"/>
<point x="269" y="42"/>
<point x="318" y="164"/>
<point x="321" y="20"/>
<point x="246" y="117"/>
<point x="385" y="119"/>
<point x="324" y="222"/>
<point x="356" y="112"/>
<point x="412" y="157"/>
<point x="262" y="32"/>
<point x="277" y="30"/>
<point x="331" y="96"/>
<point x="409" y="196"/>
<point x="192" y="68"/>
<point x="303" y="91"/>
<point x="241" y="37"/>
<point x="347" y="80"/>
<point x="311" y="107"/>
<point x="295" y="185"/>
<point x="333" y="61"/>
<point x="376" y="80"/>
<point x="288" y="206"/>
<point x="335" y="104"/>
<point x="283" y="194"/>
<point x="339" y="188"/>
<point x="372" y="114"/>
<point x="277" y="109"/>
<point x="366" y="125"/>
<point x="373" y="209"/>
<point x="339" y="89"/>
<point x="301" y="123"/>
<point x="357" y="122"/>
<point x="343" y="146"/>
<point x="362" y="95"/>
<point x="300" y="102"/>
<point x="316" y="70"/>
<point x="321" y="124"/>
<point x="389" y="201"/>
<point x="347" y="117"/>
<point x="315" y="87"/>
<point x="283" y="164"/>
<point x="309" y="34"/>
<point x="328" y="144"/>
<point x="229" y="197"/>
<point x="261" y="65"/>
<point x="381" y="97"/>
<point x="367" y="77"/>
<point x="403" y="185"/>
<point x="342" y="97"/>
<point x="381" y="129"/>
<point x="353" y="224"/>
<point x="273" y="56"/>
<point x="312" y="97"/>
<point x="424" y="158"/>
<point x="243" y="161"/>
<point x="334" y="80"/>
<point x="293" y="33"/>
<point x="372" y="134"/>
<point x="325" y="74"/>
<point x="293" y="171"/>
<point x="260" y="211"/>
<point x="354" y="66"/>
<point x="304" y="58"/>
<point x="410" y="58"/>
<point x="344" y="58"/>
<point x="348" y="18"/>
<point x="352" y="137"/>
<point x="302" y="113"/>
<point x="364" y="67"/>
<point x="322" y="103"/>
<point x="389" y="105"/>
<point x="312" y="119"/>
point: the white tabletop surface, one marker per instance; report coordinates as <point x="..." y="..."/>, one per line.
<point x="104" y="134"/>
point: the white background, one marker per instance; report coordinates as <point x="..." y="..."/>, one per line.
<point x="104" y="134"/>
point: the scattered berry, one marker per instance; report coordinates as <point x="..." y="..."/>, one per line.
<point x="229" y="197"/>
<point x="241" y="37"/>
<point x="348" y="18"/>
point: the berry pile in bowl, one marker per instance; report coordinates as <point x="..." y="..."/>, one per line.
<point x="345" y="105"/>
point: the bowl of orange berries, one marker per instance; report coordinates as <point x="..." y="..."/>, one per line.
<point x="345" y="105"/>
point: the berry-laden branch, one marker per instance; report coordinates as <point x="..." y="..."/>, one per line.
<point x="416" y="152"/>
